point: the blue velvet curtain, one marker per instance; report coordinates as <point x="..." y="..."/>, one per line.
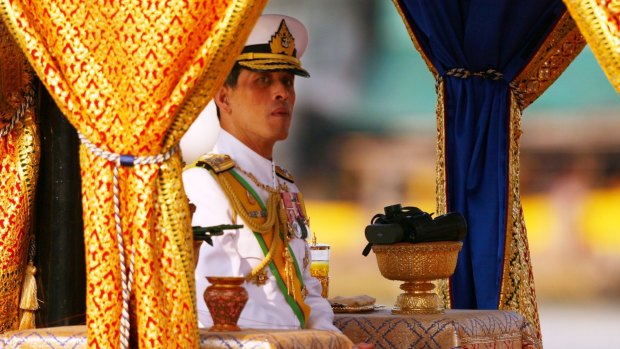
<point x="479" y="35"/>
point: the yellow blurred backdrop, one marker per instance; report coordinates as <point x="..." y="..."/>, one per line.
<point x="579" y="265"/>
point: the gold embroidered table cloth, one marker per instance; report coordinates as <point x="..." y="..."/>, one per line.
<point x="74" y="337"/>
<point x="466" y="329"/>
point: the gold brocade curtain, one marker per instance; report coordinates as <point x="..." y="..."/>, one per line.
<point x="19" y="159"/>
<point x="131" y="76"/>
<point x="599" y="22"/>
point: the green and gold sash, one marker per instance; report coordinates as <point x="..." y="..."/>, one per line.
<point x="269" y="229"/>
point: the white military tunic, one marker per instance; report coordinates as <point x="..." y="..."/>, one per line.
<point x="237" y="252"/>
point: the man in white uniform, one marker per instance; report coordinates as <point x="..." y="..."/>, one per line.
<point x="255" y="108"/>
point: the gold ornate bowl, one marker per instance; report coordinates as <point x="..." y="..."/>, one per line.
<point x="418" y="265"/>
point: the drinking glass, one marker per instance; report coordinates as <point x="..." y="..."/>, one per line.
<point x="319" y="267"/>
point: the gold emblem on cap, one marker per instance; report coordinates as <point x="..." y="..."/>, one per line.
<point x="282" y="41"/>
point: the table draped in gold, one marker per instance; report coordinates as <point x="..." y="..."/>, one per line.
<point x="19" y="158"/>
<point x="464" y="329"/>
<point x="599" y="22"/>
<point x="74" y="337"/>
<point x="131" y="76"/>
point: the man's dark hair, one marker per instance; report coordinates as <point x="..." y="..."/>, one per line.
<point x="231" y="81"/>
<point x="233" y="76"/>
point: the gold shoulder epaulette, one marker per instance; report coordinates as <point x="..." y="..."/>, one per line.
<point x="284" y="174"/>
<point x="216" y="163"/>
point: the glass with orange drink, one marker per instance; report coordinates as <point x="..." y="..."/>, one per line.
<point x="319" y="267"/>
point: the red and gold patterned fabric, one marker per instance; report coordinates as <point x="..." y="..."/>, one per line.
<point x="599" y="22"/>
<point x="19" y="158"/>
<point x="131" y="76"/>
<point x="556" y="52"/>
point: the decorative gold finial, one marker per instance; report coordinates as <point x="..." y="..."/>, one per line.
<point x="282" y="41"/>
<point x="313" y="239"/>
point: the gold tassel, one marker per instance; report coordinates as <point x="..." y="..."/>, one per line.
<point x="27" y="320"/>
<point x="289" y="270"/>
<point x="28" y="302"/>
<point x="289" y="266"/>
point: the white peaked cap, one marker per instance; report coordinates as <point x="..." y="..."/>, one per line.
<point x="277" y="42"/>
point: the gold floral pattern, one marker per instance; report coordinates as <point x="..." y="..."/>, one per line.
<point x="598" y="21"/>
<point x="553" y="57"/>
<point x="19" y="159"/>
<point x="15" y="76"/>
<point x="517" y="288"/>
<point x="131" y="76"/>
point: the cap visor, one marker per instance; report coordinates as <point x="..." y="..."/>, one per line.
<point x="272" y="65"/>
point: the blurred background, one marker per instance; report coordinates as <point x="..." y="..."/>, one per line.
<point x="364" y="138"/>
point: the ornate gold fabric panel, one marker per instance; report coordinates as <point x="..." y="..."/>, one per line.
<point x="19" y="159"/>
<point x="108" y="67"/>
<point x="131" y="77"/>
<point x="74" y="337"/>
<point x="517" y="290"/>
<point x="453" y="329"/>
<point x="440" y="166"/>
<point x="15" y="77"/>
<point x="558" y="50"/>
<point x="232" y="22"/>
<point x="599" y="22"/>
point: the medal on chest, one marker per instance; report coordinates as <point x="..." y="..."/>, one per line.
<point x="296" y="221"/>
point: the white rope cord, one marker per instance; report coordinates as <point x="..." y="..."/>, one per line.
<point x="126" y="278"/>
<point x="19" y="113"/>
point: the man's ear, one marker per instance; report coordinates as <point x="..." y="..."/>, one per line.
<point x="221" y="98"/>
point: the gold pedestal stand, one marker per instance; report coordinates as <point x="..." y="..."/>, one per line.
<point x="418" y="265"/>
<point x="419" y="298"/>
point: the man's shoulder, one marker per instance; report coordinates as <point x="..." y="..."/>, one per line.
<point x="284" y="174"/>
<point x="199" y="177"/>
<point x="216" y="163"/>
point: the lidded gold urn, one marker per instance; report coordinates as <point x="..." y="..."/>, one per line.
<point x="418" y="265"/>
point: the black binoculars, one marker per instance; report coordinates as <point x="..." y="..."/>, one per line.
<point x="410" y="224"/>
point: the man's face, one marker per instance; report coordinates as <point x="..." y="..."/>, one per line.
<point x="260" y="106"/>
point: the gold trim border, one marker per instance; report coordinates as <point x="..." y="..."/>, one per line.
<point x="559" y="49"/>
<point x="517" y="291"/>
<point x="443" y="286"/>
<point x="595" y="23"/>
